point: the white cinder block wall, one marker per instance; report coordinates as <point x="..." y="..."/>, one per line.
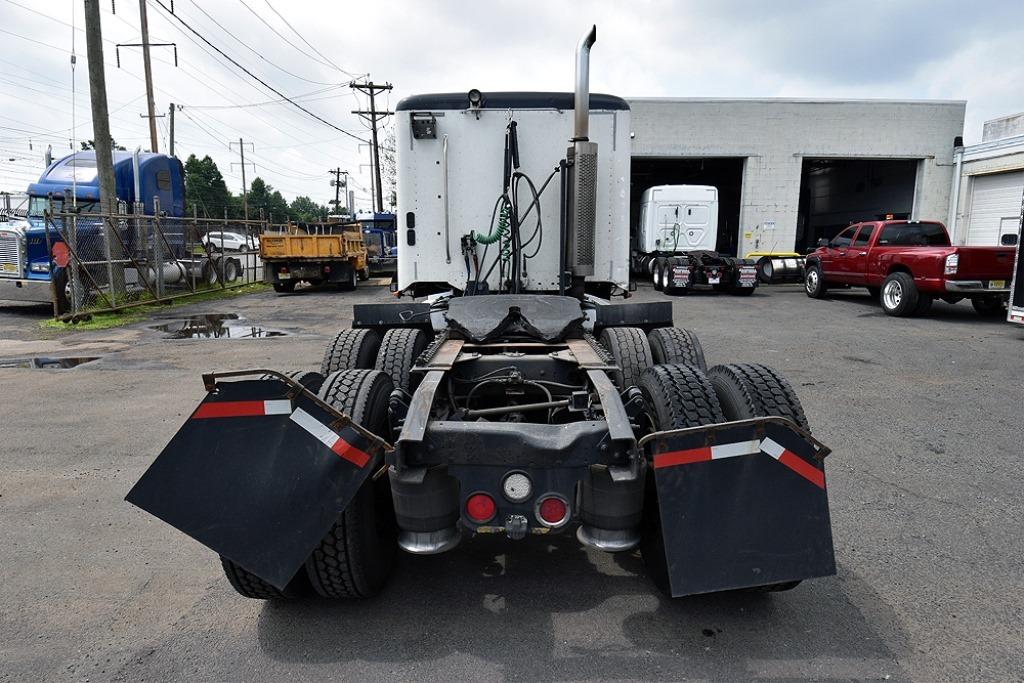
<point x="775" y="135"/>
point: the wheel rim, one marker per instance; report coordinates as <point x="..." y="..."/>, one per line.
<point x="655" y="276"/>
<point x="812" y="280"/>
<point x="768" y="269"/>
<point x="665" y="277"/>
<point x="892" y="295"/>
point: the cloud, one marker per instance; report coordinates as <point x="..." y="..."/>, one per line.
<point x="730" y="48"/>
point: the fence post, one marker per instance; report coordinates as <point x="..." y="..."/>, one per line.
<point x="71" y="235"/>
<point x="158" y="249"/>
<point x="192" y="254"/>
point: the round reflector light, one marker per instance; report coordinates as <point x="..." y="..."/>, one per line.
<point x="552" y="511"/>
<point x="480" y="508"/>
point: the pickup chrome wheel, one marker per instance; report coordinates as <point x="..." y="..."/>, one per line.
<point x="900" y="297"/>
<point x="893" y="294"/>
<point x="814" y="283"/>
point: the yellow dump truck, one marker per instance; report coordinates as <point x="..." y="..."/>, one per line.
<point x="317" y="254"/>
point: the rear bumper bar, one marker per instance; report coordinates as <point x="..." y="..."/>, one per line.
<point x="976" y="287"/>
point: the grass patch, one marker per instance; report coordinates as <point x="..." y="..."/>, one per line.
<point x="106" y="321"/>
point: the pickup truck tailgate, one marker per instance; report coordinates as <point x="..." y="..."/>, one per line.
<point x="985" y="263"/>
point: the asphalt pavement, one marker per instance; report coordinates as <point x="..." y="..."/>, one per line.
<point x="924" y="416"/>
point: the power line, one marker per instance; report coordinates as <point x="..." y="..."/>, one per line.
<point x="257" y="78"/>
<point x="247" y="105"/>
<point x="256" y="52"/>
<point x="323" y="60"/>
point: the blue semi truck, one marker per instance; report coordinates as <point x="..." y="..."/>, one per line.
<point x="30" y="270"/>
<point x="381" y="242"/>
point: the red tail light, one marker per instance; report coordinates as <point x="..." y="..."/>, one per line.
<point x="480" y="508"/>
<point x="552" y="511"/>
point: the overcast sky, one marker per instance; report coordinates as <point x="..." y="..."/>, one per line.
<point x="930" y="49"/>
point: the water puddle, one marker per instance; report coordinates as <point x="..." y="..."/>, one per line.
<point x="44" y="363"/>
<point x="215" y="326"/>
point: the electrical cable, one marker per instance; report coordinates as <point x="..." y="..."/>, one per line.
<point x="254" y="51"/>
<point x="257" y="78"/>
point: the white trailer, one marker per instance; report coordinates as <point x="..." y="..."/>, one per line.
<point x="675" y="238"/>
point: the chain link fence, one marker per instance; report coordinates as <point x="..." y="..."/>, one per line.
<point x="109" y="262"/>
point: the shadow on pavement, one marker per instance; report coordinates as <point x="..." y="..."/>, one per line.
<point x="540" y="611"/>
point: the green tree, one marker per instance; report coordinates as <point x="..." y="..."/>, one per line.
<point x="263" y="196"/>
<point x="305" y="210"/>
<point x="206" y="190"/>
<point x="91" y="144"/>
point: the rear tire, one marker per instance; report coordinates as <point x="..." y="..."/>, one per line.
<point x="677" y="396"/>
<point x="747" y="390"/>
<point x="245" y="582"/>
<point x="656" y="267"/>
<point x="355" y="558"/>
<point x="676" y="345"/>
<point x="399" y="350"/>
<point x="989" y="306"/>
<point x="364" y="274"/>
<point x="814" y="282"/>
<point x="630" y="350"/>
<point x="351" y="350"/>
<point x="351" y="281"/>
<point x="924" y="304"/>
<point x="251" y="586"/>
<point x="284" y="287"/>
<point x="899" y="295"/>
<point x="750" y="390"/>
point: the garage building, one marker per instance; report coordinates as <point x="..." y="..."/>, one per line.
<point x="791" y="171"/>
<point x="987" y="192"/>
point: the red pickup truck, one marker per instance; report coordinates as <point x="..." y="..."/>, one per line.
<point x="908" y="264"/>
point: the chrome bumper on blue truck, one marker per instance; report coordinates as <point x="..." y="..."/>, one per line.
<point x="20" y="289"/>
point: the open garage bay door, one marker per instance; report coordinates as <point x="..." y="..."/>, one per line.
<point x="995" y="208"/>
<point x="724" y="173"/>
<point x="837" y="192"/>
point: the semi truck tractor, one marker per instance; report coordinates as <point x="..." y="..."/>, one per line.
<point x="381" y="242"/>
<point x="674" y="243"/>
<point x="508" y="397"/>
<point x="35" y="254"/>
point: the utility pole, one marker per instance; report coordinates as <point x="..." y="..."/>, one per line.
<point x="148" y="67"/>
<point x="170" y="121"/>
<point x="373" y="116"/>
<point x="104" y="153"/>
<point x="100" y="115"/>
<point x="150" y="105"/>
<point x="337" y="172"/>
<point x="245" y="185"/>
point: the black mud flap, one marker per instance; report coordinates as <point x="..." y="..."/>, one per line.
<point x="259" y="473"/>
<point x="742" y="505"/>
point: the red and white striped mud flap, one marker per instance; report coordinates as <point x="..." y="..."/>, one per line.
<point x="257" y="477"/>
<point x="746" y="507"/>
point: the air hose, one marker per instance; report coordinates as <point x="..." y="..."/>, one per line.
<point x="499" y="231"/>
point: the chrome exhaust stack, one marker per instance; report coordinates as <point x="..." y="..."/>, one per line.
<point x="582" y="160"/>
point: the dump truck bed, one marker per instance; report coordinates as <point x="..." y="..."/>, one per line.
<point x="292" y="246"/>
